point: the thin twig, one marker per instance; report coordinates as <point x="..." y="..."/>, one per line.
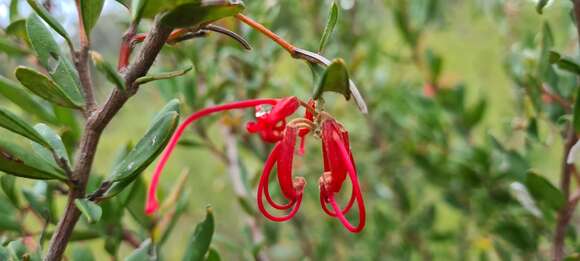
<point x="94" y="127"/>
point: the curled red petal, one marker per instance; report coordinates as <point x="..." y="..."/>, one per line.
<point x="285" y="162"/>
<point x="152" y="203"/>
<point x="266" y="176"/>
<point x="346" y="156"/>
<point x="295" y="204"/>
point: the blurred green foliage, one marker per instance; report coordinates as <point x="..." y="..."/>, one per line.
<point x="459" y="156"/>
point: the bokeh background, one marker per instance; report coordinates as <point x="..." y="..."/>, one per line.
<point x="443" y="156"/>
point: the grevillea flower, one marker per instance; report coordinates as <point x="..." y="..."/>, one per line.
<point x="272" y="126"/>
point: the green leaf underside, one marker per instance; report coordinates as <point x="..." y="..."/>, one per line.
<point x="201" y="239"/>
<point x="163" y="76"/>
<point x="44" y="87"/>
<point x="17" y="161"/>
<point x="91" y="10"/>
<point x="50" y="57"/>
<point x="13" y="123"/>
<point x="13" y="92"/>
<point x="91" y="211"/>
<point x="334" y="79"/>
<point x="151" y="145"/>
<point x="330" y="25"/>
<point x="49" y="19"/>
<point x="200" y="12"/>
<point x="54" y="141"/>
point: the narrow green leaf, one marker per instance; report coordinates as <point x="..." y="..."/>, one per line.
<point x="162" y="76"/>
<point x="564" y="63"/>
<point x="91" y="10"/>
<point x="201" y="239"/>
<point x="44" y="87"/>
<point x="54" y="141"/>
<point x="141" y="253"/>
<point x="47" y="17"/>
<point x="38" y="198"/>
<point x="16" y="161"/>
<point x="14" y="14"/>
<point x="125" y="3"/>
<point x="540" y="6"/>
<point x="13" y="92"/>
<point x="91" y="211"/>
<point x="13" y="123"/>
<point x="543" y="191"/>
<point x="517" y="235"/>
<point x="8" y="184"/>
<point x="108" y="70"/>
<point x="330" y="24"/>
<point x="147" y="149"/>
<point x="138" y="8"/>
<point x="576" y="115"/>
<point x="50" y="57"/>
<point x="172" y="106"/>
<point x="201" y="12"/>
<point x="335" y="79"/>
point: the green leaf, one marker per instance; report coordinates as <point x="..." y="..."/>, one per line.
<point x="8" y="184"/>
<point x="47" y="17"/>
<point x="91" y="10"/>
<point x="330" y="24"/>
<point x="50" y="57"/>
<point x="13" y="92"/>
<point x="201" y="239"/>
<point x="517" y="235"/>
<point x="172" y="106"/>
<point x="10" y="48"/>
<point x="201" y="12"/>
<point x="16" y="161"/>
<point x="213" y="255"/>
<point x="576" y="115"/>
<point x="141" y="253"/>
<point x="162" y="76"/>
<point x="90" y="210"/>
<point x="151" y="145"/>
<point x="435" y="65"/>
<point x="44" y="87"/>
<point x="55" y="143"/>
<point x="13" y="123"/>
<point x="564" y="63"/>
<point x="136" y="202"/>
<point x="18" y="28"/>
<point x="138" y="8"/>
<point x="543" y="191"/>
<point x="38" y="198"/>
<point x="17" y="250"/>
<point x="124" y="3"/>
<point x="540" y="6"/>
<point x="108" y="70"/>
<point x="13" y="10"/>
<point x="334" y="79"/>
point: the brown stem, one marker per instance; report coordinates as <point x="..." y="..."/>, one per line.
<point x="81" y="61"/>
<point x="565" y="213"/>
<point x="94" y="127"/>
<point x="239" y="189"/>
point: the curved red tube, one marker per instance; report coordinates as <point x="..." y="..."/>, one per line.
<point x="152" y="203"/>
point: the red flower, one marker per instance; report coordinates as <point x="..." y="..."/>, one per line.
<point x="272" y="127"/>
<point x="338" y="162"/>
<point x="270" y="124"/>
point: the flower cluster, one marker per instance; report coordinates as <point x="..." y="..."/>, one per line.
<point x="273" y="127"/>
